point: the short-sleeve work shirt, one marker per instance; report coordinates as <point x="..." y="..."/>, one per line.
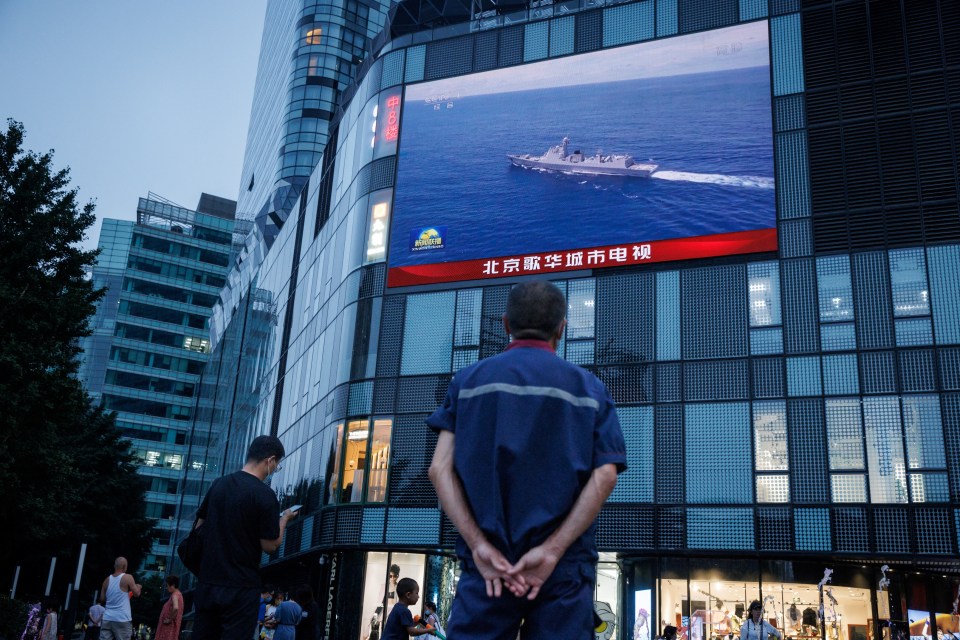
<point x="529" y="428"/>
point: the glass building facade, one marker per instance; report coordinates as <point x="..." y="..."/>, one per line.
<point x="785" y="411"/>
<point x="309" y="53"/>
<point x="163" y="274"/>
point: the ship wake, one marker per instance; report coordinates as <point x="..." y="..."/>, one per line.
<point x="756" y="182"/>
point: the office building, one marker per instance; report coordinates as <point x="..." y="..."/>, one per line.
<point x="752" y="207"/>
<point x="308" y="55"/>
<point x="162" y="274"/>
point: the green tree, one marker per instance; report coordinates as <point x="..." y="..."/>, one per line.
<point x="146" y="609"/>
<point x="66" y="477"/>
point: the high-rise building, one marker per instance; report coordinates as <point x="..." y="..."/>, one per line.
<point x="309" y="54"/>
<point x="752" y="208"/>
<point x="163" y="274"/>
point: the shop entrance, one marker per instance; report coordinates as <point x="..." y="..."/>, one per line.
<point x="709" y="599"/>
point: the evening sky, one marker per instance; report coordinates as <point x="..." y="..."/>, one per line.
<point x="134" y="96"/>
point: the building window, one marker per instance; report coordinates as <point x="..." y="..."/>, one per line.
<point x="366" y="460"/>
<point x="835" y="290"/>
<point x="923" y="427"/>
<point x="313" y="35"/>
<point x="379" y="460"/>
<point x="200" y="345"/>
<point x="428" y="333"/>
<point x="763" y="284"/>
<point x="885" y="459"/>
<point x="770" y="450"/>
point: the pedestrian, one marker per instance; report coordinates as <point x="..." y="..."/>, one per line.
<point x="270" y="616"/>
<point x="431" y="618"/>
<point x="49" y="629"/>
<point x="400" y="625"/>
<point x="168" y="628"/>
<point x="287" y="616"/>
<point x="117" y="589"/>
<point x="528" y="451"/>
<point x="755" y="627"/>
<point x="266" y="596"/>
<point x="94" y="620"/>
<point x="309" y="627"/>
<point x="240" y="520"/>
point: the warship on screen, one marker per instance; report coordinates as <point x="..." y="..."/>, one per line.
<point x="558" y="159"/>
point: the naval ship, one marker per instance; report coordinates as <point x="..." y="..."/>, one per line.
<point x="558" y="159"/>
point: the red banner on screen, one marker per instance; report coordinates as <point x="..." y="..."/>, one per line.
<point x="618" y="255"/>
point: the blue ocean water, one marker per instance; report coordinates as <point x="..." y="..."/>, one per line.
<point x="710" y="134"/>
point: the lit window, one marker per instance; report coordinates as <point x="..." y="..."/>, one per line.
<point x="313" y="35"/>
<point x="354" y="460"/>
<point x="764" y="291"/>
<point x="200" y="345"/>
<point x="151" y="458"/>
<point x="379" y="460"/>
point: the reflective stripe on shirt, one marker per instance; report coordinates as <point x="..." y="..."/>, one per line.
<point x="517" y="390"/>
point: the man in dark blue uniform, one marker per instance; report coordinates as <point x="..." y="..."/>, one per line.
<point x="529" y="450"/>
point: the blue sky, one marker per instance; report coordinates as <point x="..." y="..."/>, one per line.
<point x="134" y="96"/>
<point x="736" y="47"/>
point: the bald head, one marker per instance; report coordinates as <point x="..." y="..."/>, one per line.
<point x="120" y="564"/>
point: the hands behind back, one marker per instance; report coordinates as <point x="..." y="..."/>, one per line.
<point x="531" y="571"/>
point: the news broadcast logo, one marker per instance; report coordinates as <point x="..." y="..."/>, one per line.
<point x="428" y="238"/>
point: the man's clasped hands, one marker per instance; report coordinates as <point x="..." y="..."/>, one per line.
<point x="525" y="578"/>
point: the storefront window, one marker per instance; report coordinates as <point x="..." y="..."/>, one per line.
<point x="792" y="601"/>
<point x="793" y="607"/>
<point x="607" y="597"/>
<point x="383" y="572"/>
<point x="708" y="599"/>
<point x="717" y="607"/>
<point x="374" y="595"/>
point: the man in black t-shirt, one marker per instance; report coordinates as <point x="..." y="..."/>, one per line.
<point x="240" y="519"/>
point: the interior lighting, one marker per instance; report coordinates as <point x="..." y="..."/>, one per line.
<point x="313" y="36"/>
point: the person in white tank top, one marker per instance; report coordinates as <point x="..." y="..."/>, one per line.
<point x="116" y="592"/>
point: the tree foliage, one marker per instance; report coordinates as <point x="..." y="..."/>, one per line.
<point x="67" y="476"/>
<point x="146" y="609"/>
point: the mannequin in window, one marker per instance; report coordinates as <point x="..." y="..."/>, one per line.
<point x="391" y="595"/>
<point x="736" y="619"/>
<point x="793" y="616"/>
<point x="755" y="627"/>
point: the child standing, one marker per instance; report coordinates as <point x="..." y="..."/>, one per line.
<point x="400" y="625"/>
<point x="431" y="618"/>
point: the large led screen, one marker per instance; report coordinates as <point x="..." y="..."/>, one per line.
<point x="645" y="153"/>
